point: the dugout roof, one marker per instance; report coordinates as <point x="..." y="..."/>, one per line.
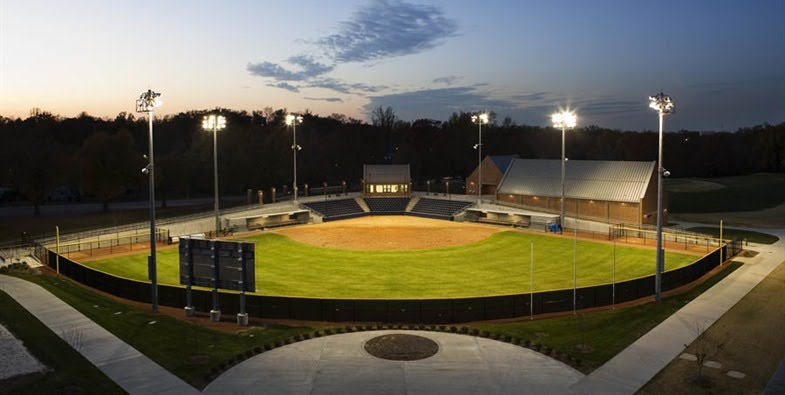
<point x="616" y="181"/>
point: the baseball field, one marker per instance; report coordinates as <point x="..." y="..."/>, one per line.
<point x="407" y="257"/>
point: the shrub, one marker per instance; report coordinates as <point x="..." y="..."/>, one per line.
<point x="453" y="329"/>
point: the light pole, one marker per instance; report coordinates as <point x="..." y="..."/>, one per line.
<point x="215" y="123"/>
<point x="663" y="105"/>
<point x="292" y="120"/>
<point x="146" y="103"/>
<point x="479" y="119"/>
<point x="563" y="120"/>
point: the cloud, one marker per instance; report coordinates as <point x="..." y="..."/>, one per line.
<point x="388" y="28"/>
<point x="309" y="68"/>
<point x="342" y="87"/>
<point x="284" y="85"/>
<point x="379" y="30"/>
<point x="327" y="99"/>
<point x="448" y="80"/>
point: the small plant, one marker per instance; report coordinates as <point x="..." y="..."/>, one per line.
<point x="464" y="330"/>
<point x="486" y="334"/>
<point x="249" y="354"/>
<point x="257" y="350"/>
<point x="268" y="347"/>
<point x="453" y="329"/>
<point x="306" y="336"/>
<point x="328" y="331"/>
<point x="421" y="327"/>
<point x="705" y="348"/>
<point x="475" y="331"/>
<point x="279" y="343"/>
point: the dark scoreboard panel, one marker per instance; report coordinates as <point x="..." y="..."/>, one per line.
<point x="218" y="264"/>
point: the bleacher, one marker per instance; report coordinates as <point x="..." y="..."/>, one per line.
<point x="387" y="205"/>
<point x="437" y="208"/>
<point x="336" y="209"/>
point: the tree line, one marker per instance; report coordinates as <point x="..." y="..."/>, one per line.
<point x="101" y="158"/>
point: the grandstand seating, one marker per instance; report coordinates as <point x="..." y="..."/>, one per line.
<point x="336" y="209"/>
<point x="437" y="208"/>
<point x="387" y="205"/>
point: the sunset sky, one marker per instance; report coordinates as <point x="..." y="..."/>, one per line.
<point x="723" y="62"/>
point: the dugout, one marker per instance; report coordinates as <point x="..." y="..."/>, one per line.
<point x="268" y="220"/>
<point x="605" y="191"/>
<point x="386" y="180"/>
<point x="501" y="215"/>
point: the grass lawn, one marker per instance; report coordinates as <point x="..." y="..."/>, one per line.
<point x="174" y="344"/>
<point x="597" y="337"/>
<point x="69" y="371"/>
<point x="189" y="351"/>
<point x="740" y="193"/>
<point x="498" y="265"/>
<point x="751" y="236"/>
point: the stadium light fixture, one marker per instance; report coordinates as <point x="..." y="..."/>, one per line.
<point x="480" y="119"/>
<point x="146" y="103"/>
<point x="293" y="120"/>
<point x="663" y="104"/>
<point x="215" y="123"/>
<point x="563" y="120"/>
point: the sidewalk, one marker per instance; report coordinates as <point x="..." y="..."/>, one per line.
<point x="631" y="369"/>
<point x="123" y="364"/>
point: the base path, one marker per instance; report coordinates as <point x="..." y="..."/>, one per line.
<point x="126" y="366"/>
<point x="339" y="364"/>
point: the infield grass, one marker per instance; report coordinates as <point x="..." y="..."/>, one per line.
<point x="497" y="265"/>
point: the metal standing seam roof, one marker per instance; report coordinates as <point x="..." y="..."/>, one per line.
<point x="502" y="162"/>
<point x="617" y="181"/>
<point x="386" y="174"/>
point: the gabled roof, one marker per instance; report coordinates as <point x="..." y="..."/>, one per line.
<point x="502" y="162"/>
<point x="617" y="181"/>
<point x="386" y="174"/>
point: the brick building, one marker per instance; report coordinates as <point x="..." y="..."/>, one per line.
<point x="606" y="191"/>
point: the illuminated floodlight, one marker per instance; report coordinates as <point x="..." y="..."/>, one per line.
<point x="662" y="103"/>
<point x="214" y="122"/>
<point x="564" y="119"/>
<point x="480" y="119"/>
<point x="148" y="101"/>
<point x="291" y="119"/>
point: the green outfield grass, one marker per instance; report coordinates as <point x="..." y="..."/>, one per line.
<point x="497" y="265"/>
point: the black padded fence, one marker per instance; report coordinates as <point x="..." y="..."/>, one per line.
<point x="426" y="311"/>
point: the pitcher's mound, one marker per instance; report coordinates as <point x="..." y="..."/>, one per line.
<point x="389" y="233"/>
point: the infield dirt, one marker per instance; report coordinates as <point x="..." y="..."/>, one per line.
<point x="389" y="233"/>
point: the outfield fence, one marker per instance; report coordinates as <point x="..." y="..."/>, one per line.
<point x="426" y="311"/>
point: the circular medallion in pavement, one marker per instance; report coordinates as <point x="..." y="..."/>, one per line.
<point x="401" y="347"/>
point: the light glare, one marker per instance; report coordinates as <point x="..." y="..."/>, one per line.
<point x="662" y="103"/>
<point x="291" y="119"/>
<point x="214" y="122"/>
<point x="564" y="120"/>
<point x="481" y="118"/>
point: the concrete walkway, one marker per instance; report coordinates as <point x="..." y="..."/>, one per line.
<point x="339" y="364"/>
<point x="631" y="369"/>
<point x="131" y="370"/>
